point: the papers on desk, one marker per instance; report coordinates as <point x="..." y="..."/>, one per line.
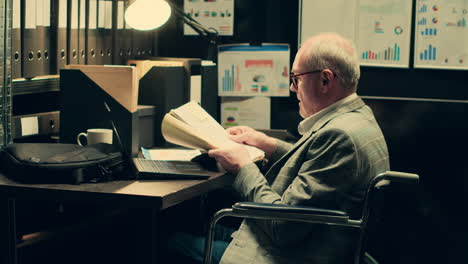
<point x="170" y="154"/>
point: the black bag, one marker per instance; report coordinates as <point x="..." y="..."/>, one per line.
<point x="63" y="163"/>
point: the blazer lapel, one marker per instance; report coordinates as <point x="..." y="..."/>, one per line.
<point x="347" y="107"/>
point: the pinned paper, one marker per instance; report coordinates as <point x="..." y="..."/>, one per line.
<point x="29" y="126"/>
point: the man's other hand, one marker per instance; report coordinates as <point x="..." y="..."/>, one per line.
<point x="249" y="136"/>
<point x="231" y="158"/>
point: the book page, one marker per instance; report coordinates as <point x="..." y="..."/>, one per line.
<point x="191" y="126"/>
<point x="196" y="117"/>
<point x="180" y="133"/>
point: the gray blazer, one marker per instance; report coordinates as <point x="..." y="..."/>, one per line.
<point x="329" y="167"/>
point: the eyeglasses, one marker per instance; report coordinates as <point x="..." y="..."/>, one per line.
<point x="293" y="77"/>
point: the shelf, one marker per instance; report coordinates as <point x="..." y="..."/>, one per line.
<point x="41" y="84"/>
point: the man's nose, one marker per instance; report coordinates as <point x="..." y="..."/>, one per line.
<point x="292" y="87"/>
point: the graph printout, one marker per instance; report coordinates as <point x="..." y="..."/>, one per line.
<point x="216" y="14"/>
<point x="246" y="111"/>
<point x="245" y="70"/>
<point x="384" y="32"/>
<point x="441" y="35"/>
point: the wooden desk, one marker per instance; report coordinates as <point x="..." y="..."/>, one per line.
<point x="149" y="196"/>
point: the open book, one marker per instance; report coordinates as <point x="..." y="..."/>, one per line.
<point x="191" y="126"/>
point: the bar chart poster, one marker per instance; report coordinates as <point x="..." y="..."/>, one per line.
<point x="245" y="70"/>
<point x="384" y="34"/>
<point x="441" y="35"/>
<point x="212" y="14"/>
<point x="252" y="111"/>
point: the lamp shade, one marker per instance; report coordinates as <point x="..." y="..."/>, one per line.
<point x="147" y="14"/>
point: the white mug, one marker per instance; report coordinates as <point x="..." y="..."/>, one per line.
<point x="96" y="135"/>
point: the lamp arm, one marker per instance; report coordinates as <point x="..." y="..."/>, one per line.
<point x="210" y="34"/>
<point x="194" y="24"/>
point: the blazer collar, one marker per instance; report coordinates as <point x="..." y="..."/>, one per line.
<point x="333" y="112"/>
<point x="349" y="106"/>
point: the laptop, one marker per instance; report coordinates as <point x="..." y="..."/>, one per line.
<point x="169" y="169"/>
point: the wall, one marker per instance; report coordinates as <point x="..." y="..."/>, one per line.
<point x="422" y="224"/>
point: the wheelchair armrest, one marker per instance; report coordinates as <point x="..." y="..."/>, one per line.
<point x="402" y="177"/>
<point x="290" y="213"/>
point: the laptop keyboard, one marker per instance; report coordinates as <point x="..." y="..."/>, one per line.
<point x="151" y="165"/>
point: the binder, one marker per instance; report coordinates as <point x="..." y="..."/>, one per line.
<point x="39" y="39"/>
<point x="109" y="32"/>
<point x="148" y="43"/>
<point x="46" y="35"/>
<point x="128" y="38"/>
<point x="30" y="41"/>
<point x="72" y="32"/>
<point x="82" y="52"/>
<point x="120" y="56"/>
<point x="91" y="32"/>
<point x="16" y="41"/>
<point x="42" y="124"/>
<point x="60" y="57"/>
<point x="100" y="37"/>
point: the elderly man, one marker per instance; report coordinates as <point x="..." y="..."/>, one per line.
<point x="342" y="148"/>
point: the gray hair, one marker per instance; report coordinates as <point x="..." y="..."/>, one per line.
<point x="334" y="52"/>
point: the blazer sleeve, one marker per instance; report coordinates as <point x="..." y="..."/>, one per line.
<point x="322" y="180"/>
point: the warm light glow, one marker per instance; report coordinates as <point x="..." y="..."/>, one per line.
<point x="147" y="14"/>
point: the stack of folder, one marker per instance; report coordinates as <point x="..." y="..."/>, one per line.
<point x="49" y="34"/>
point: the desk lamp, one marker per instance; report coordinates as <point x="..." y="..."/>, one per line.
<point x="151" y="14"/>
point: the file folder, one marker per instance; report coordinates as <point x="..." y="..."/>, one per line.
<point x="72" y="32"/>
<point x="16" y="41"/>
<point x="91" y="32"/>
<point x="30" y="41"/>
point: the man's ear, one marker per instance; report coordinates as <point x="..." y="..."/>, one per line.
<point x="325" y="83"/>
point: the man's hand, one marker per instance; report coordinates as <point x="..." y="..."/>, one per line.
<point x="231" y="158"/>
<point x="249" y="136"/>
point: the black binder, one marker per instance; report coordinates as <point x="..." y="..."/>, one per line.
<point x="109" y="32"/>
<point x="82" y="52"/>
<point x="91" y="32"/>
<point x="127" y="39"/>
<point x="72" y="32"/>
<point x="45" y="35"/>
<point x="59" y="44"/>
<point x="16" y="41"/>
<point x="120" y="57"/>
<point x="30" y="40"/>
<point x="100" y="33"/>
